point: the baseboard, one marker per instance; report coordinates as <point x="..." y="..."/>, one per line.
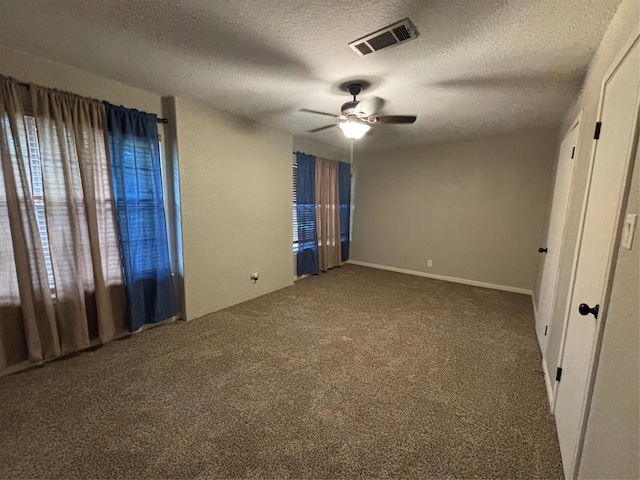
<point x="28" y="364"/>
<point x="444" y="278"/>
<point x="547" y="383"/>
<point x="19" y="367"/>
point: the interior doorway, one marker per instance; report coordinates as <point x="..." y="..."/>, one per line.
<point x="552" y="246"/>
<point x="587" y="307"/>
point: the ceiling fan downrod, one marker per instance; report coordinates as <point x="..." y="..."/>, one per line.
<point x="355" y="89"/>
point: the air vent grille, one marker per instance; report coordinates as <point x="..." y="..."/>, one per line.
<point x="363" y="48"/>
<point x="382" y="41"/>
<point x="402" y="33"/>
<point x="394" y="34"/>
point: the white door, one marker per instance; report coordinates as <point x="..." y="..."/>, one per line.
<point x="564" y="173"/>
<point x="609" y="171"/>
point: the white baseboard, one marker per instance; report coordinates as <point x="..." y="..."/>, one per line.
<point x="547" y="383"/>
<point x="444" y="278"/>
<point x="27" y="364"/>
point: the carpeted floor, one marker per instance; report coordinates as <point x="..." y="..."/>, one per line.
<point x="353" y="373"/>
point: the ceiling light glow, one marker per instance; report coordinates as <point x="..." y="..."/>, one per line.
<point x="354" y="129"/>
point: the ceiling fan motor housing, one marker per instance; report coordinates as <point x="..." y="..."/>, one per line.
<point x="354" y="89"/>
<point x="357" y="116"/>
<point x="349" y="108"/>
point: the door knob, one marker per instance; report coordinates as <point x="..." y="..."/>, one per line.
<point x="542" y="250"/>
<point x="585" y="310"/>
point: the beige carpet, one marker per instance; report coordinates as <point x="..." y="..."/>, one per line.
<point x="353" y="373"/>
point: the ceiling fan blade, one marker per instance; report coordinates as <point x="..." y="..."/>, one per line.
<point x="370" y="106"/>
<point x="395" y="118"/>
<point x="318" y="113"/>
<point x="323" y="128"/>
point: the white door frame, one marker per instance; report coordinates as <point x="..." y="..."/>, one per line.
<point x="551" y="386"/>
<point x="609" y="275"/>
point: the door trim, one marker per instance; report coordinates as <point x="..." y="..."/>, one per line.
<point x="631" y="148"/>
<point x="574" y="125"/>
<point x="549" y="383"/>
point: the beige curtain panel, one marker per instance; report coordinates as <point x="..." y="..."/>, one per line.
<point x="328" y="214"/>
<point x="27" y="324"/>
<point x="61" y="238"/>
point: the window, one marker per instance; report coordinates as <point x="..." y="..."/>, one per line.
<point x="137" y="183"/>
<point x="53" y="214"/>
<point x="295" y="208"/>
<point x="37" y="192"/>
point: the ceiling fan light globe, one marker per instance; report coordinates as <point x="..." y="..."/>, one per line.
<point x="354" y="130"/>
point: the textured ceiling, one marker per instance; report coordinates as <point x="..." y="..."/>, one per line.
<point x="478" y="68"/>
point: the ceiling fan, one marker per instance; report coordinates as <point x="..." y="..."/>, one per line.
<point x="358" y="116"/>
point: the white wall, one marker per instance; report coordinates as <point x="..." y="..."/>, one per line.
<point x="474" y="208"/>
<point x="611" y="442"/>
<point x="616" y="35"/>
<point x="235" y="184"/>
<point x="29" y="68"/>
<point x="612" y="439"/>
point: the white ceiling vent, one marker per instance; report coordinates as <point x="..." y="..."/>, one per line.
<point x="395" y="34"/>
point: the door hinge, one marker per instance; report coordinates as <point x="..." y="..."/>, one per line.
<point x="596" y="134"/>
<point x="545" y="330"/>
<point x="558" y="374"/>
<point x="573" y="152"/>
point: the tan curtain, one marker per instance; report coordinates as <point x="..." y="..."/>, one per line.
<point x="327" y="214"/>
<point x="27" y="320"/>
<point x="80" y="217"/>
<point x="61" y="284"/>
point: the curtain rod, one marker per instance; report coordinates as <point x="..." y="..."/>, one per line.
<point x="28" y="87"/>
<point x="339" y="161"/>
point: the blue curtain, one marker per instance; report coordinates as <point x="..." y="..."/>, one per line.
<point x="137" y="185"/>
<point x="307" y="257"/>
<point x="344" y="194"/>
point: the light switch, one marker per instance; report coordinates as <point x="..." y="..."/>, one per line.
<point x="628" y="229"/>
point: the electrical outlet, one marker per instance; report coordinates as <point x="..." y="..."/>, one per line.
<point x="429" y="263"/>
